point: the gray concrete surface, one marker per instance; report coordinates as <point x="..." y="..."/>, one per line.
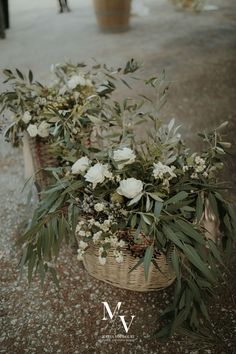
<point x="198" y="53"/>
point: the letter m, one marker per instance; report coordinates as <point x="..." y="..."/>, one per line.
<point x="107" y="309"/>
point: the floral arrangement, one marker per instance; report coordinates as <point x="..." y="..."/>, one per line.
<point x="145" y="197"/>
<point x="68" y="112"/>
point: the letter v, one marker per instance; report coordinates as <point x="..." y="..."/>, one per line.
<point x="124" y="323"/>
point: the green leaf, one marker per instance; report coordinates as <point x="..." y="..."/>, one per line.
<point x="158" y="208"/>
<point x="147" y="260"/>
<point x="176" y="198"/>
<point x="172" y="236"/>
<point x="195" y="259"/>
<point x="213" y="204"/>
<point x="175" y="263"/>
<point x="21" y="76"/>
<point x="189" y="230"/>
<point x="146" y="219"/>
<point x="135" y="200"/>
<point x="30" y="76"/>
<point x="137" y="265"/>
<point x="155" y="196"/>
<point x="133" y="221"/>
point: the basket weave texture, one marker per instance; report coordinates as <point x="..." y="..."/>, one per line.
<point x="117" y="274"/>
<point x="41" y="156"/>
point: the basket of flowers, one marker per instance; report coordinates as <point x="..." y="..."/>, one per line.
<point x="146" y="212"/>
<point x="55" y="121"/>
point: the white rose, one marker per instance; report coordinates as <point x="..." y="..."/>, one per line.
<point x="26" y="117"/>
<point x="124" y="156"/>
<point x="96" y="174"/>
<point x="99" y="207"/>
<point x="43" y="129"/>
<point x="32" y="130"/>
<point x="80" y="165"/>
<point x="130" y="187"/>
<point x="75" y="81"/>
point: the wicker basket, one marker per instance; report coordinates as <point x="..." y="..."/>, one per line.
<point x="37" y="156"/>
<point x="117" y="274"/>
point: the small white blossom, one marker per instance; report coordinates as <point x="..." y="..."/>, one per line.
<point x="118" y="256"/>
<point x="124" y="156"/>
<point x="83" y="245"/>
<point x="32" y="130"/>
<point x="43" y="129"/>
<point x="97" y="236"/>
<point x="121" y="243"/>
<point x="114" y="241"/>
<point x="80" y="166"/>
<point x="162" y="171"/>
<point x="130" y="187"/>
<point x="99" y="207"/>
<point x="75" y="81"/>
<point x="26" y="117"/>
<point x="102" y="260"/>
<point x="80" y="255"/>
<point x="81" y="233"/>
<point x="100" y="250"/>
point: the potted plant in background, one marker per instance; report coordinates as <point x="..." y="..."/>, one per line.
<point x="113" y="15"/>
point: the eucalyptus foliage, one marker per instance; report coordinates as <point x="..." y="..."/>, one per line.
<point x="67" y="112"/>
<point x="176" y="187"/>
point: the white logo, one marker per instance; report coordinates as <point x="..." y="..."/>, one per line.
<point x="106" y="309"/>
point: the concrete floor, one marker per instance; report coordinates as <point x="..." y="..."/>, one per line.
<point x="198" y="53"/>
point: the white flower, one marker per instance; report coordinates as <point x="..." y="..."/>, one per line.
<point x="88" y="82"/>
<point x="83" y="245"/>
<point x="160" y="171"/>
<point x="185" y="168"/>
<point x="32" y="130"/>
<point x="102" y="260"/>
<point x="26" y="117"/>
<point x="99" y="207"/>
<point x="100" y="250"/>
<point x="97" y="236"/>
<point x="75" y="81"/>
<point x="81" y="165"/>
<point x="80" y="255"/>
<point x="81" y="233"/>
<point x="119" y="256"/>
<point x="121" y="243"/>
<point x="113" y="241"/>
<point x="96" y="174"/>
<point x="43" y="129"/>
<point x="124" y="156"/>
<point x="130" y="187"/>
